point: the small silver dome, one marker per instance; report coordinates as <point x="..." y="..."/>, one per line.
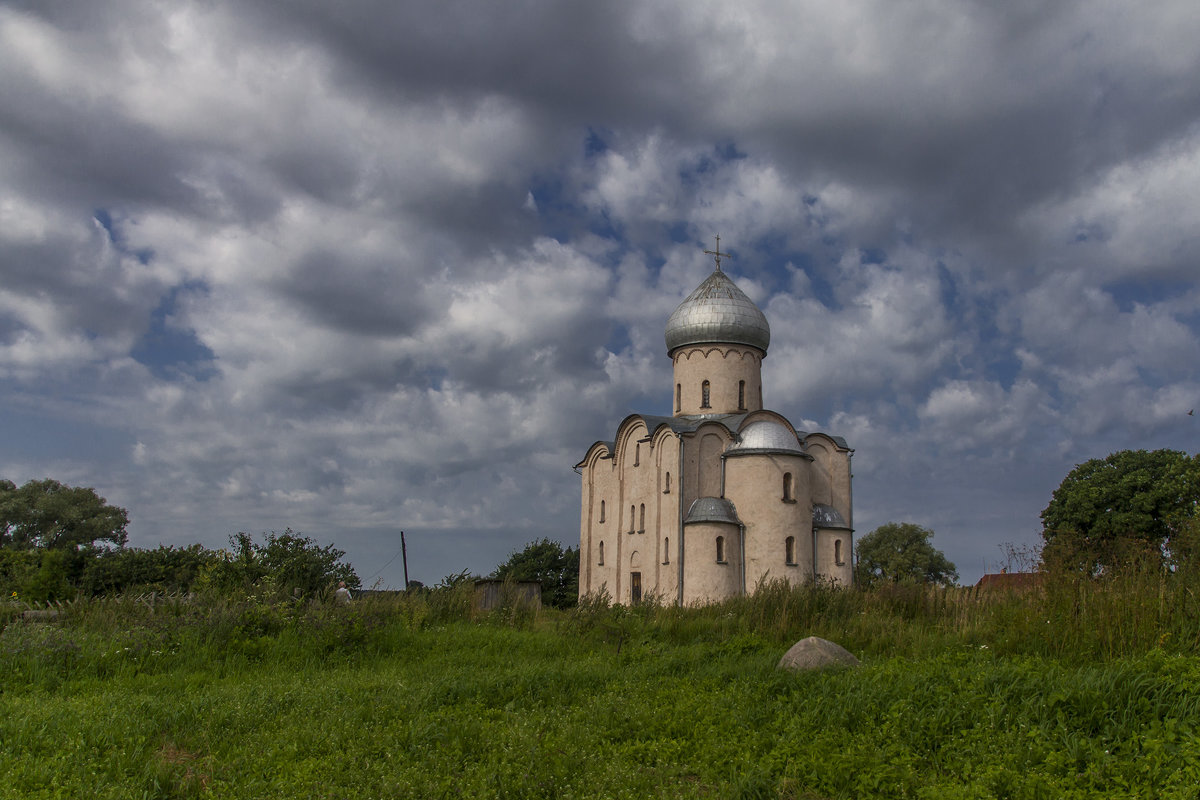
<point x="827" y="517"/>
<point x="712" y="509"/>
<point x="718" y="311"/>
<point x="766" y="434"/>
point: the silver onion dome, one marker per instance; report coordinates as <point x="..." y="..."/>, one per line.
<point x="766" y="435"/>
<point x="712" y="509"/>
<point x="718" y="311"/>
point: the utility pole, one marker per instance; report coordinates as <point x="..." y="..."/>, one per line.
<point x="404" y="555"/>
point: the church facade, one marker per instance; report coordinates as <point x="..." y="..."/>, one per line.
<point x="722" y="495"/>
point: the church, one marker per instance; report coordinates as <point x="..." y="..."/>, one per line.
<point x="724" y="494"/>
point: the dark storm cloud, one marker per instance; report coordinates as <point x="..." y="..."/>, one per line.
<point x="376" y="297"/>
<point x="88" y="155"/>
<point x="601" y="56"/>
<point x="1003" y="109"/>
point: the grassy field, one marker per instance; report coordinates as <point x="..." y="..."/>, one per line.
<point x="1083" y="689"/>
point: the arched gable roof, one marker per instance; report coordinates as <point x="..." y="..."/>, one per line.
<point x="837" y="441"/>
<point x="598" y="451"/>
<point x="678" y="425"/>
<point x="685" y="424"/>
<point x="625" y="431"/>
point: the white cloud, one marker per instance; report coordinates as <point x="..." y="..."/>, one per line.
<point x="890" y="336"/>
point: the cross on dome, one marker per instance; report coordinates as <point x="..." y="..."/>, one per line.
<point x="717" y="254"/>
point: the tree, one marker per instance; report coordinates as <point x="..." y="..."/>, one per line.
<point x="1129" y="504"/>
<point x="163" y="569"/>
<point x="285" y="561"/>
<point x="47" y="514"/>
<point x="546" y="562"/>
<point x="901" y="551"/>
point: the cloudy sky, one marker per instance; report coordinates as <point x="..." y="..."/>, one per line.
<point x="364" y="267"/>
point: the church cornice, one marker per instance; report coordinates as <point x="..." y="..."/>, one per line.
<point x="726" y="350"/>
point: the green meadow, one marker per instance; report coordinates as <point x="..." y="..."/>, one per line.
<point x="1079" y="688"/>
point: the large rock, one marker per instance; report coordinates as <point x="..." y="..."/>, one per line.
<point x="817" y="653"/>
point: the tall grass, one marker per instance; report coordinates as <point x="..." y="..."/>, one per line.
<point x="1071" y="618"/>
<point x="1075" y="688"/>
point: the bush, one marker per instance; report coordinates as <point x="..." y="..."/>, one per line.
<point x="550" y="564"/>
<point x="163" y="569"/>
<point x="284" y="564"/>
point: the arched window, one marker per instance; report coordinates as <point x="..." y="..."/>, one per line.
<point x="720" y="549"/>
<point x="741" y="395"/>
<point x="666" y="550"/>
<point x="704" y="395"/>
<point x="667" y="484"/>
<point x="642" y="518"/>
<point x="600" y="562"/>
<point x="678" y="397"/>
<point x="837" y="552"/>
<point x="789" y="549"/>
<point x="787" y="488"/>
<point x="602" y="511"/>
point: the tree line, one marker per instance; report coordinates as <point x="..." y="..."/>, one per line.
<point x="1130" y="509"/>
<point x="1133" y="507"/>
<point x="59" y="542"/>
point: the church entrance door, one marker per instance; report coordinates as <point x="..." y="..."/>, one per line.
<point x="635" y="587"/>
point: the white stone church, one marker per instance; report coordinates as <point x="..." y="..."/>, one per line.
<point x="707" y="503"/>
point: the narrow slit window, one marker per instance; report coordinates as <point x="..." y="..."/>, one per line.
<point x="720" y="549"/>
<point x="667" y="484"/>
<point x="632" y="518"/>
<point x="678" y="397"/>
<point x="837" y="552"/>
<point x="787" y="488"/>
<point x="666" y="550"/>
<point x="705" y="392"/>
<point x="637" y="454"/>
<point x="789" y="548"/>
<point x="602" y="511"/>
<point x="600" y="560"/>
<point x="642" y="518"/>
<point x="741" y="395"/>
